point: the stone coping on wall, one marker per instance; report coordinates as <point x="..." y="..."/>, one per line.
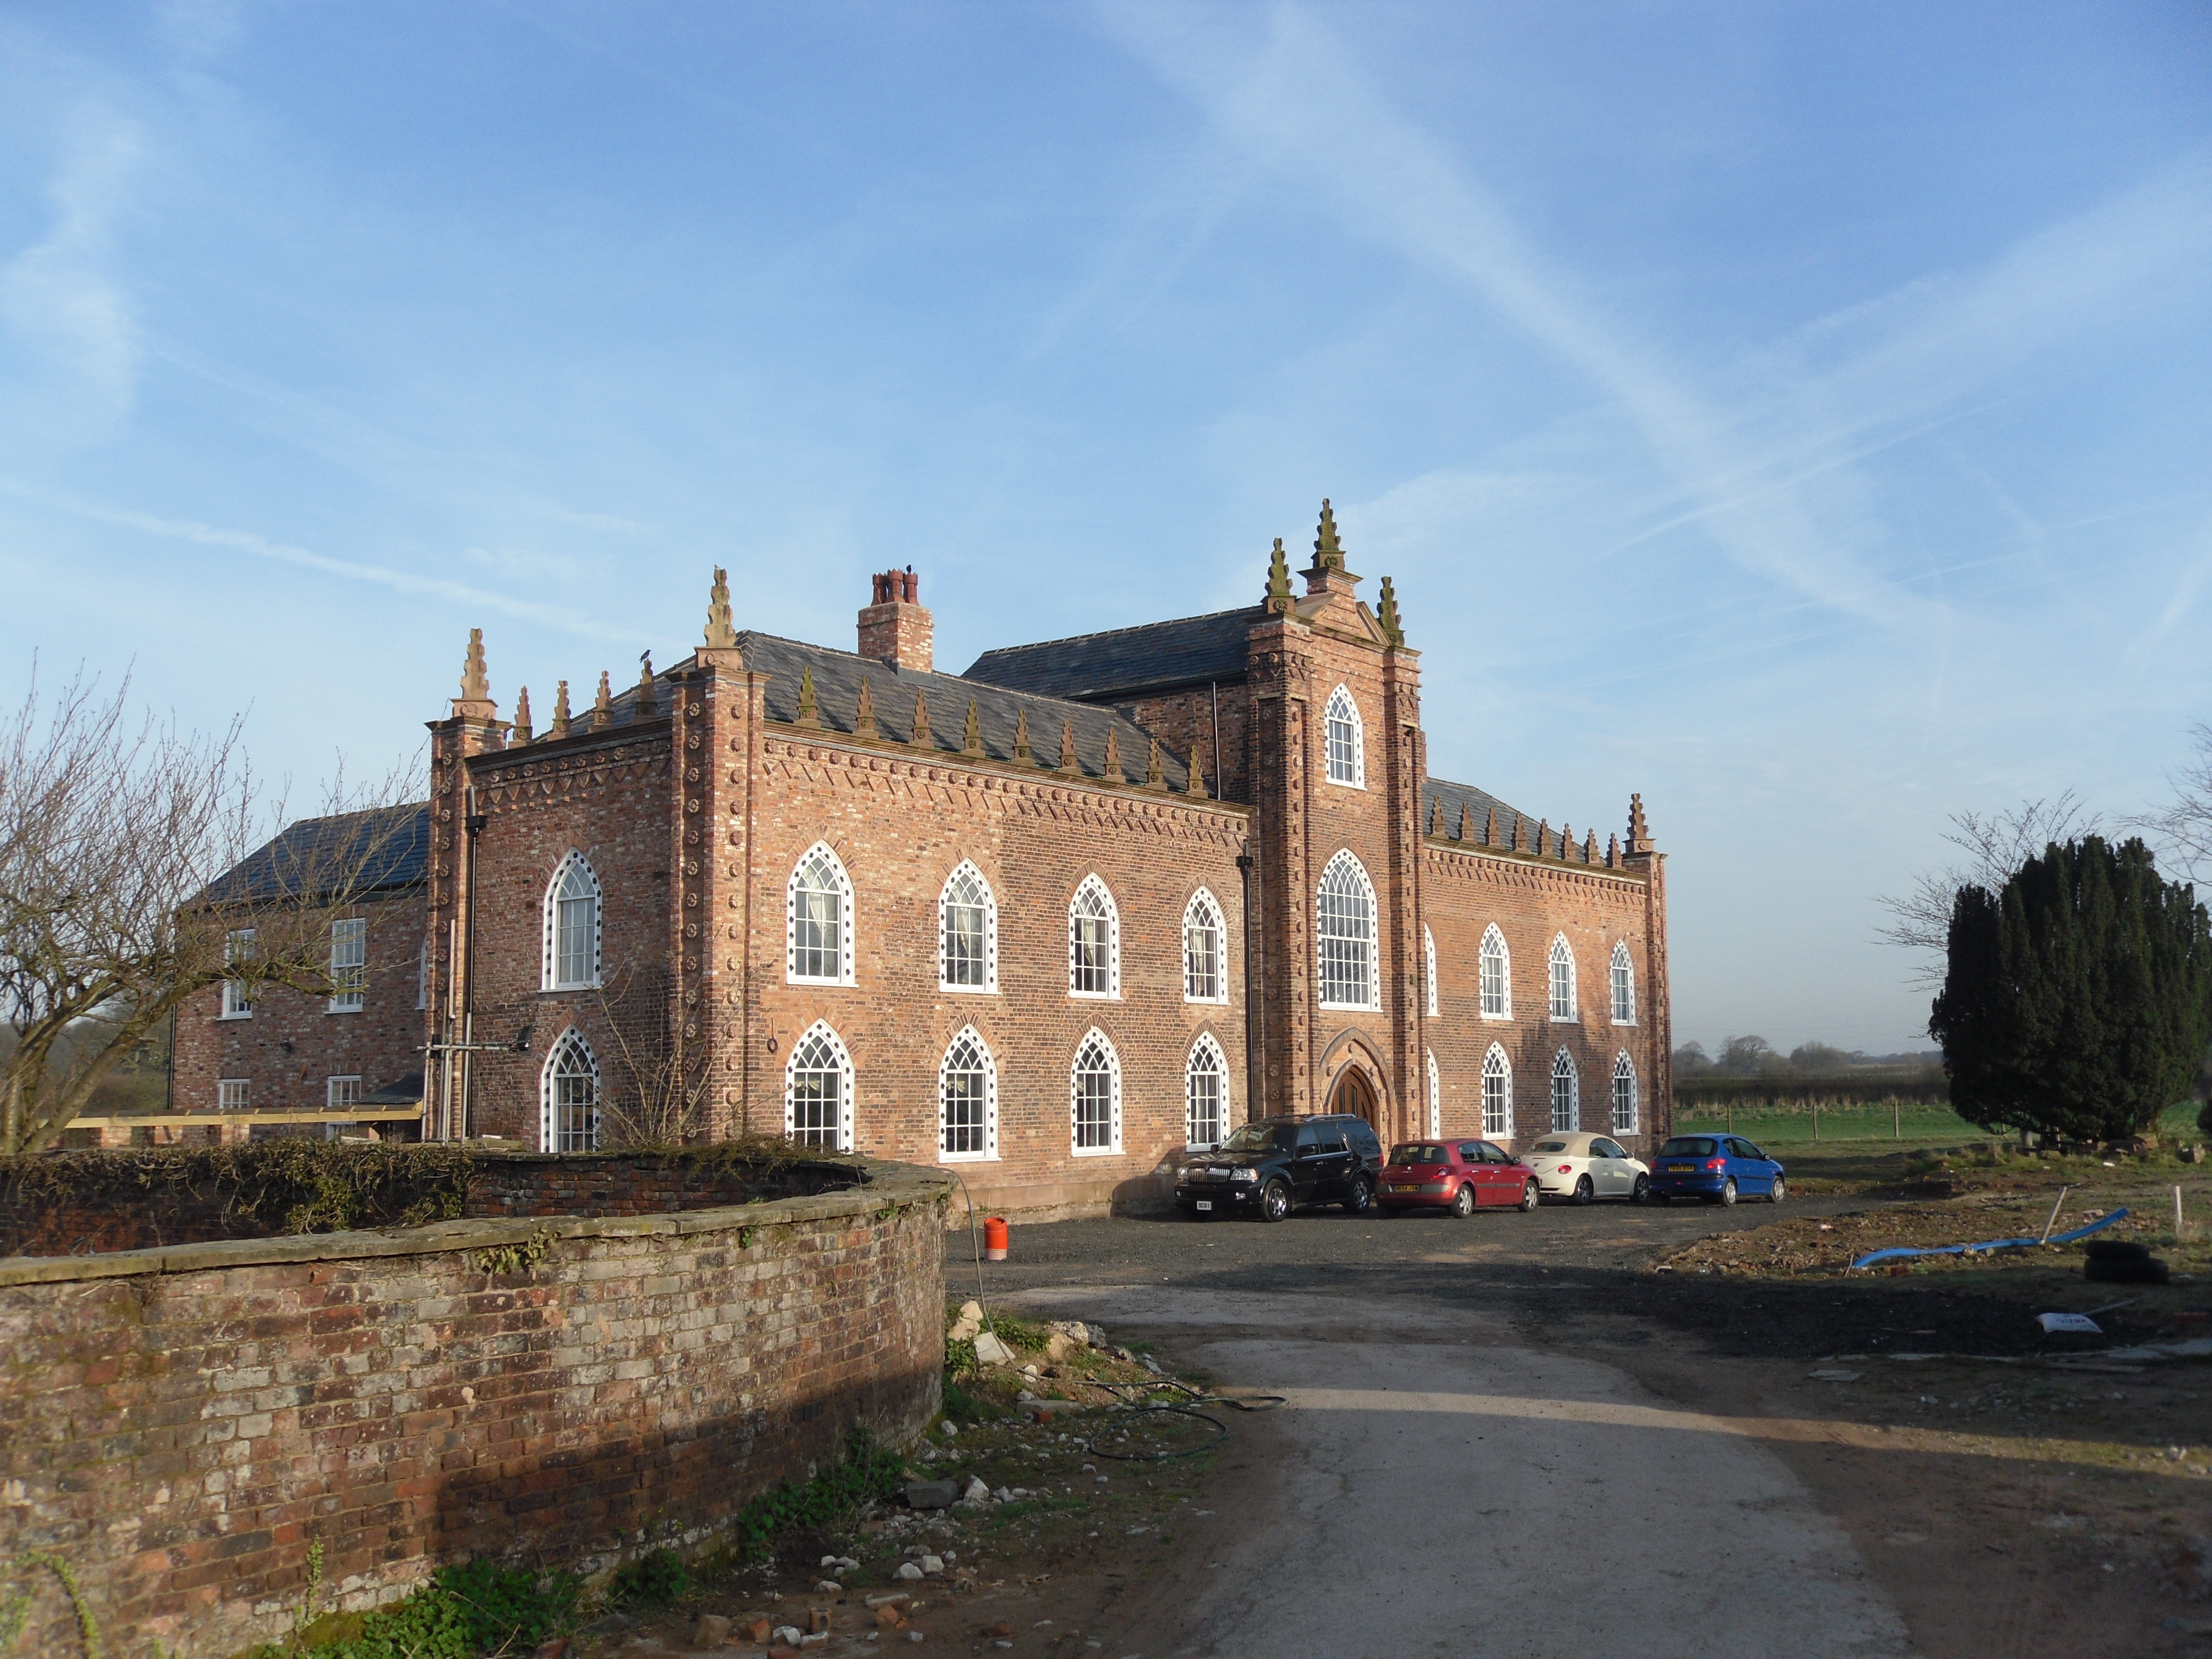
<point x="883" y="1184"/>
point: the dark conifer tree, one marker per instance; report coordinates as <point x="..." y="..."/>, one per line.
<point x="2078" y="998"/>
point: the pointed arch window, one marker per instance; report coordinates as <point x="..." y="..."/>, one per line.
<point x="1429" y="966"/>
<point x="1346" y="739"/>
<point x="968" y="1100"/>
<point x="1204" y="939"/>
<point x="1346" y="935"/>
<point x="1624" y="986"/>
<point x="568" y="1097"/>
<point x="1623" y="1095"/>
<point x="1435" y="1098"/>
<point x="1566" y="1094"/>
<point x="1496" y="1095"/>
<point x="1497" y="973"/>
<point x="1094" y="942"/>
<point x="967" y="932"/>
<point x="573" y="927"/>
<point x="1095" y="1096"/>
<point x="1563" y="979"/>
<point x="1205" y="1094"/>
<point x="817" y="1090"/>
<point x="819" y="919"/>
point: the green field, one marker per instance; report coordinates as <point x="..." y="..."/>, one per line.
<point x="1906" y="1125"/>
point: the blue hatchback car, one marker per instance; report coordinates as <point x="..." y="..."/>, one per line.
<point x="1719" y="1169"/>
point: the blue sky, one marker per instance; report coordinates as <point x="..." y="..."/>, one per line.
<point x="1793" y="412"/>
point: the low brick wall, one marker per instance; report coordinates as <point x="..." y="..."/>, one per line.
<point x="179" y="1424"/>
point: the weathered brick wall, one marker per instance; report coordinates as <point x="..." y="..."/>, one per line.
<point x="291" y="1045"/>
<point x="1532" y="900"/>
<point x="180" y="1424"/>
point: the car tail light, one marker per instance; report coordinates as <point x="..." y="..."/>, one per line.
<point x="1716" y="1164"/>
<point x="1566" y="1168"/>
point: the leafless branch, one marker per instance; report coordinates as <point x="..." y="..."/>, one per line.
<point x="2182" y="829"/>
<point x="658" y="1095"/>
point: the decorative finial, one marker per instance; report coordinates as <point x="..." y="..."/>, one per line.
<point x="1021" y="734"/>
<point x="1466" y="822"/>
<point x="603" y="705"/>
<point x="1154" y="778"/>
<point x="1196" y="788"/>
<point x="1520" y="833"/>
<point x="1613" y="852"/>
<point x="972" y="743"/>
<point x="1640" y="832"/>
<point x="475" y="688"/>
<point x="1490" y="828"/>
<point x="809" y="708"/>
<point x="921" y="720"/>
<point x="648" y="700"/>
<point x="1589" y="848"/>
<point x="1435" y="817"/>
<point x="1543" y="836"/>
<point x="864" y="712"/>
<point x="1566" y="840"/>
<point x="1113" y="772"/>
<point x="561" y="711"/>
<point x="522" y="714"/>
<point x="1329" y="553"/>
<point x="1393" y="632"/>
<point x="1068" y="764"/>
<point x="721" y="635"/>
<point x="1279" y="580"/>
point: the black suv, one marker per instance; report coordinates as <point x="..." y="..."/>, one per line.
<point x="1277" y="1165"/>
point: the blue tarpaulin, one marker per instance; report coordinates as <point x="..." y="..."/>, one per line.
<point x="2096" y="1226"/>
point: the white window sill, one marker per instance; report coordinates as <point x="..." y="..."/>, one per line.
<point x="1206" y="1002"/>
<point x="355" y="1009"/>
<point x="244" y="1013"/>
<point x="1095" y="1152"/>
<point x="990" y="990"/>
<point x="968" y="1157"/>
<point x="1625" y="1024"/>
<point x="582" y="985"/>
<point x="799" y="979"/>
<point x="1095" y="996"/>
<point x="1353" y="1007"/>
<point x="1502" y="1019"/>
<point x="1347" y="783"/>
<point x="1563" y="1020"/>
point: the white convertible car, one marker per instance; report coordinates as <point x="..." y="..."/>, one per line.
<point x="1583" y="1167"/>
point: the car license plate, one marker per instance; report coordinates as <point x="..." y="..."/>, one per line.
<point x="1681" y="1169"/>
<point x="1397" y="1188"/>
<point x="1203" y="1204"/>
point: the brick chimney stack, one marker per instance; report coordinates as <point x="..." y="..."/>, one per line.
<point x="894" y="628"/>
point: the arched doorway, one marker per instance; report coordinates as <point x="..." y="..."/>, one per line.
<point x="1354" y="1093"/>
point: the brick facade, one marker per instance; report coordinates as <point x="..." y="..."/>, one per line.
<point x="1160" y="761"/>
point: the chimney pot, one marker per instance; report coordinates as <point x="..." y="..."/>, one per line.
<point x="894" y="628"/>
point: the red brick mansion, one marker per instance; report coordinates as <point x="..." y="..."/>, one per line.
<point x="1058" y="917"/>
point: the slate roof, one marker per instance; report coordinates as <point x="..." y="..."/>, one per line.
<point x="394" y="840"/>
<point x="1478" y="803"/>
<point x="1124" y="661"/>
<point x="838" y="675"/>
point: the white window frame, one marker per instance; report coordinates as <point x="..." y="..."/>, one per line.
<point x="1494" y="949"/>
<point x="824" y="1033"/>
<point x="234" y="1094"/>
<point x="1075" y="1073"/>
<point x="1564" y="1069"/>
<point x="966" y="867"/>
<point x="1624" y="985"/>
<point x="422" y="975"/>
<point x="1096" y="888"/>
<point x="342" y="1093"/>
<point x="970" y="1035"/>
<point x="237" y="995"/>
<point x="1217" y="1067"/>
<point x="1624" y="1072"/>
<point x="1561" y="1002"/>
<point x="1346" y="865"/>
<point x="840" y="888"/>
<point x="1429" y="967"/>
<point x="1496" y="1094"/>
<point x="548" y="977"/>
<point x="1343" y="709"/>
<point x="551" y="1135"/>
<point x="1436" y="1100"/>
<point x="1204" y="915"/>
<point x="349" y="966"/>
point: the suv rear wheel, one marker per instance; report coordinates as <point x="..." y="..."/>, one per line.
<point x="1274" y="1201"/>
<point x="1363" y="1195"/>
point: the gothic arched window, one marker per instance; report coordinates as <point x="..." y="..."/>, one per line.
<point x="572" y="926"/>
<point x="1436" y="1099"/>
<point x="1345" y="740"/>
<point x="568" y="1097"/>
<point x="1496" y="1095"/>
<point x="1346" y="935"/>
<point x="1204" y="966"/>
<point x="1429" y="966"/>
<point x="819" y="919"/>
<point x="1624" y="1094"/>
<point x="1094" y="942"/>
<point x="817" y="1090"/>
<point x="1566" y="1094"/>
<point x="1497" y="975"/>
<point x="1094" y="1085"/>
<point x="968" y="933"/>
<point x="1563" y="979"/>
<point x="1205" y="1094"/>
<point x="1624" y="986"/>
<point x="968" y="1100"/>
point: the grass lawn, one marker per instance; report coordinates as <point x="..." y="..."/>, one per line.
<point x="1906" y="1126"/>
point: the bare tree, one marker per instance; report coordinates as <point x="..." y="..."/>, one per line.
<point x="1994" y="846"/>
<point x="130" y="880"/>
<point x="658" y="1095"/>
<point x="2182" y="829"/>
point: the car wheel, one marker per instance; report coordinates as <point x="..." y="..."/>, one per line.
<point x="1274" y="1201"/>
<point x="1583" y="1191"/>
<point x="1642" y="1192"/>
<point x="1463" y="1202"/>
<point x="1728" y="1191"/>
<point x="1530" y="1198"/>
<point x="1781" y="1191"/>
<point x="1363" y="1195"/>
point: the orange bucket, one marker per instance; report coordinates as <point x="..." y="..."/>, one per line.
<point x="995" y="1239"/>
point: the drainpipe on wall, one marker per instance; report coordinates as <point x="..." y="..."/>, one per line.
<point x="474" y="823"/>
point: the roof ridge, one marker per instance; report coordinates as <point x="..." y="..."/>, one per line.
<point x="1072" y="704"/>
<point x="1107" y="633"/>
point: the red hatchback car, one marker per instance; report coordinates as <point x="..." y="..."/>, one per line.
<point x="1459" y="1175"/>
